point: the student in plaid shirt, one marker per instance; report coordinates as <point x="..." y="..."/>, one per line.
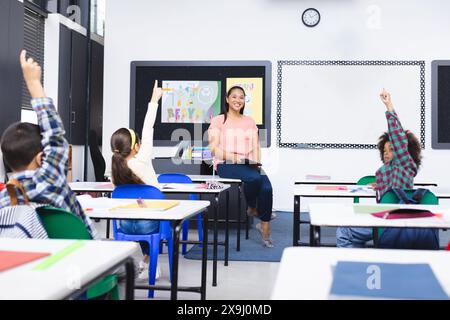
<point x="400" y="153"/>
<point x="38" y="155"/>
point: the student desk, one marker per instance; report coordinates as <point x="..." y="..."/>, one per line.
<point x="176" y="188"/>
<point x="99" y="208"/>
<point x="343" y="215"/>
<point x="310" y="190"/>
<point x="69" y="277"/>
<point x="306" y="273"/>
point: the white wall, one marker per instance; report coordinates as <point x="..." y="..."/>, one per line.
<point x="272" y="30"/>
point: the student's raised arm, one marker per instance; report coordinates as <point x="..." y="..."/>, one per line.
<point x="55" y="147"/>
<point x="146" y="149"/>
<point x="32" y="73"/>
<point x="397" y="136"/>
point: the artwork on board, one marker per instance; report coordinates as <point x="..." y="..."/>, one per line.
<point x="190" y="101"/>
<point x="253" y="96"/>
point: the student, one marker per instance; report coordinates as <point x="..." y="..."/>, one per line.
<point x="38" y="154"/>
<point x="401" y="155"/>
<point x="233" y="140"/>
<point x="132" y="164"/>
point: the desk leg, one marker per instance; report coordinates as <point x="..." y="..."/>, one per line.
<point x="296" y="227"/>
<point x="108" y="224"/>
<point x="204" y="255"/>
<point x="316" y="236"/>
<point x="176" y="227"/>
<point x="238" y="239"/>
<point x="215" y="205"/>
<point x="375" y="237"/>
<point x="129" y="284"/>
<point x="227" y="230"/>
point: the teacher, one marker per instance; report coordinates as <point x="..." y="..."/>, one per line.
<point x="233" y="140"/>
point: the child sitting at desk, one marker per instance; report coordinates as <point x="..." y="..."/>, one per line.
<point x="38" y="154"/>
<point x="132" y="164"/>
<point x="401" y="155"/>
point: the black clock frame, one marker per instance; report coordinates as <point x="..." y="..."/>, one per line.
<point x="303" y="17"/>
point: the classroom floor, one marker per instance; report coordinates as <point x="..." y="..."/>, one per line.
<point x="240" y="280"/>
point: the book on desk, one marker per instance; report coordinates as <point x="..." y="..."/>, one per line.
<point x="374" y="280"/>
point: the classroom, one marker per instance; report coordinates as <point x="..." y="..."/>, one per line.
<point x="232" y="150"/>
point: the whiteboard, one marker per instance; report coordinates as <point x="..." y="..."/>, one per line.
<point x="336" y="104"/>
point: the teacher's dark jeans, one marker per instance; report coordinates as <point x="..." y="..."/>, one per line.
<point x="257" y="187"/>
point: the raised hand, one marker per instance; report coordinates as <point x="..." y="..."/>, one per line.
<point x="157" y="93"/>
<point x="32" y="73"/>
<point x="385" y="97"/>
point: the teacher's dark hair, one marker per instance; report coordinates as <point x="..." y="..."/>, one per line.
<point x="227" y="107"/>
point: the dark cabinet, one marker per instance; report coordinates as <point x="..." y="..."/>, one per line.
<point x="72" y="89"/>
<point x="11" y="43"/>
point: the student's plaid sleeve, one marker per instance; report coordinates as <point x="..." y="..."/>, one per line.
<point x="54" y="144"/>
<point x="399" y="140"/>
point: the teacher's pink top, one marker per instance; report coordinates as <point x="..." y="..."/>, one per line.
<point x="235" y="135"/>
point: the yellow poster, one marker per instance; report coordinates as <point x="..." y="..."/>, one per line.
<point x="253" y="96"/>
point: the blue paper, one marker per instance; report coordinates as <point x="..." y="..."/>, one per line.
<point x="373" y="280"/>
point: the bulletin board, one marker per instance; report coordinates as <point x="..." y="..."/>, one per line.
<point x="336" y="104"/>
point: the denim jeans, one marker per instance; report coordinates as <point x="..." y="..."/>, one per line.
<point x="257" y="187"/>
<point x="140" y="227"/>
<point x="353" y="237"/>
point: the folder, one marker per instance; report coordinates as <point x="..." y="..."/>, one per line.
<point x="375" y="280"/>
<point x="12" y="259"/>
<point x="403" y="213"/>
<point x="148" y="205"/>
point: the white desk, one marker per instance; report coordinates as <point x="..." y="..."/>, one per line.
<point x="177" y="188"/>
<point x="306" y="273"/>
<point x="344" y="215"/>
<point x="84" y="266"/>
<point x="349" y="190"/>
<point x="99" y="208"/>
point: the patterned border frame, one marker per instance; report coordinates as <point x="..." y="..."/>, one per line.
<point x="281" y="63"/>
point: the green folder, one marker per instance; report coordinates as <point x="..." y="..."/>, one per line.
<point x="57" y="256"/>
<point x="371" y="208"/>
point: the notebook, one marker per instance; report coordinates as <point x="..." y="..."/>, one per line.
<point x="374" y="280"/>
<point x="332" y="188"/>
<point x="12" y="259"/>
<point x="148" y="205"/>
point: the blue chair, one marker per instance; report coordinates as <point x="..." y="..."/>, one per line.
<point x="134" y="191"/>
<point x="182" y="178"/>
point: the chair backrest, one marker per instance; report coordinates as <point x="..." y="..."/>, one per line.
<point x="97" y="158"/>
<point x="135" y="191"/>
<point x="176" y="178"/>
<point x="366" y="180"/>
<point x="61" y="224"/>
<point x="428" y="198"/>
<point x="362" y="182"/>
<point x="173" y="178"/>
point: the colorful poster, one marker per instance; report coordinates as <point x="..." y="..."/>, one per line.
<point x="190" y="101"/>
<point x="253" y="96"/>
